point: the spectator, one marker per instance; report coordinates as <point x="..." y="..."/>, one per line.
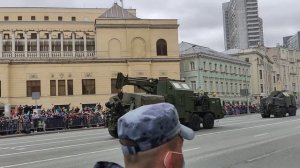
<point x="152" y="137"/>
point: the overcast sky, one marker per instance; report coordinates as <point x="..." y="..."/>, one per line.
<point x="200" y="20"/>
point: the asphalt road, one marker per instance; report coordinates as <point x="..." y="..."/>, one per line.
<point x="235" y="142"/>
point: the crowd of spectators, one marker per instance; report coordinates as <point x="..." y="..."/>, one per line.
<point x="25" y="119"/>
<point x="236" y="109"/>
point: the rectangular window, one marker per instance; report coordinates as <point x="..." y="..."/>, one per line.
<point x="70" y="87"/>
<point x="60" y="18"/>
<point x="33" y="18"/>
<point x="88" y="87"/>
<point x="193" y="85"/>
<point x="261" y="88"/>
<point x="52" y="87"/>
<point x="260" y="74"/>
<point x="33" y="36"/>
<point x="247" y="59"/>
<point x="192" y="66"/>
<point x="20" y="18"/>
<point x="113" y="86"/>
<point x="222" y="87"/>
<point x="46" y="18"/>
<point x="61" y="87"/>
<point x="73" y="18"/>
<point x="274" y="79"/>
<point x="6" y="18"/>
<point x="33" y="86"/>
<point x="205" y="86"/>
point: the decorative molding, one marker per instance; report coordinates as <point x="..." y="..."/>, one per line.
<point x="32" y="76"/>
<point x="140" y="73"/>
<point x="88" y="75"/>
<point x="52" y="75"/>
<point x="163" y="73"/>
<point x="61" y="75"/>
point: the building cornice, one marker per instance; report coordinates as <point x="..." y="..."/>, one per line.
<point x="216" y="58"/>
<point x="147" y="26"/>
<point x="88" y="61"/>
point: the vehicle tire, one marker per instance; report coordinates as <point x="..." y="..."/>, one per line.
<point x="208" y="121"/>
<point x="292" y="111"/>
<point x="195" y="122"/>
<point x="113" y="133"/>
<point x="265" y="115"/>
<point x="278" y="112"/>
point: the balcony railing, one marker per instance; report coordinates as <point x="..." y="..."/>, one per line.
<point x="46" y="54"/>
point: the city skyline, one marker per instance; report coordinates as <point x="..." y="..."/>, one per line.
<point x="197" y="25"/>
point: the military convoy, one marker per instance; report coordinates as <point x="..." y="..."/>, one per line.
<point x="278" y="103"/>
<point x="193" y="109"/>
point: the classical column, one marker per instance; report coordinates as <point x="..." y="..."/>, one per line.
<point x="26" y="44"/>
<point x="62" y="43"/>
<point x="84" y="44"/>
<point x="73" y="43"/>
<point x="38" y="46"/>
<point x="50" y="44"/>
<point x="1" y="43"/>
<point x="13" y="43"/>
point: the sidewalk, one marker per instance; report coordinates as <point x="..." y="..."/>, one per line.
<point x="48" y="132"/>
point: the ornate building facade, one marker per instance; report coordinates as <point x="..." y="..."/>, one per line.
<point x="71" y="56"/>
<point x="213" y="72"/>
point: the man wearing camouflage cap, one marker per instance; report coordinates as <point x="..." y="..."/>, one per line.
<point x="152" y="137"/>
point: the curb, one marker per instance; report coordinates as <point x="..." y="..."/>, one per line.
<point x="47" y="132"/>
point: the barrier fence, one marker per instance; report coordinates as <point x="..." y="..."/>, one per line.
<point x="13" y="126"/>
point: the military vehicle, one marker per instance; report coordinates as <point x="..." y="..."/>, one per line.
<point x="278" y="103"/>
<point x="193" y="109"/>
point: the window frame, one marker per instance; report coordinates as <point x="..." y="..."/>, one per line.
<point x="86" y="84"/>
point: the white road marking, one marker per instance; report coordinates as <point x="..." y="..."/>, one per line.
<point x="269" y="154"/>
<point x="232" y="149"/>
<point x="238" y="129"/>
<point x="47" y="143"/>
<point x="260" y="135"/>
<point x="58" y="158"/>
<point x="42" y="140"/>
<point x="54" y="134"/>
<point x="61" y="147"/>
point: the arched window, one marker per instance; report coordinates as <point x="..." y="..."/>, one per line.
<point x="161" y="47"/>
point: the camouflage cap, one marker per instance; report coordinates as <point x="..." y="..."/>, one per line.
<point x="150" y="126"/>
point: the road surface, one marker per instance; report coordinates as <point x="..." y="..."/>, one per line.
<point x="236" y="142"/>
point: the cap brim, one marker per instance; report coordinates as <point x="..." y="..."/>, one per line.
<point x="187" y="133"/>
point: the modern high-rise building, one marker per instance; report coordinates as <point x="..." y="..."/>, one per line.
<point x="292" y="42"/>
<point x="242" y="27"/>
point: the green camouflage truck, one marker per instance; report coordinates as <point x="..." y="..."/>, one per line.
<point x="193" y="109"/>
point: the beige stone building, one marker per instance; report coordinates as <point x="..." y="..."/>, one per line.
<point x="261" y="71"/>
<point x="72" y="56"/>
<point x="286" y="70"/>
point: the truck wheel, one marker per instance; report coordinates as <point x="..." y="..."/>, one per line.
<point x="208" y="121"/>
<point x="113" y="133"/>
<point x="292" y="111"/>
<point x="265" y="115"/>
<point x="278" y="112"/>
<point x="195" y="122"/>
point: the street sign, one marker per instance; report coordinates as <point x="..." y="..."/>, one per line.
<point x="244" y="92"/>
<point x="36" y="95"/>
